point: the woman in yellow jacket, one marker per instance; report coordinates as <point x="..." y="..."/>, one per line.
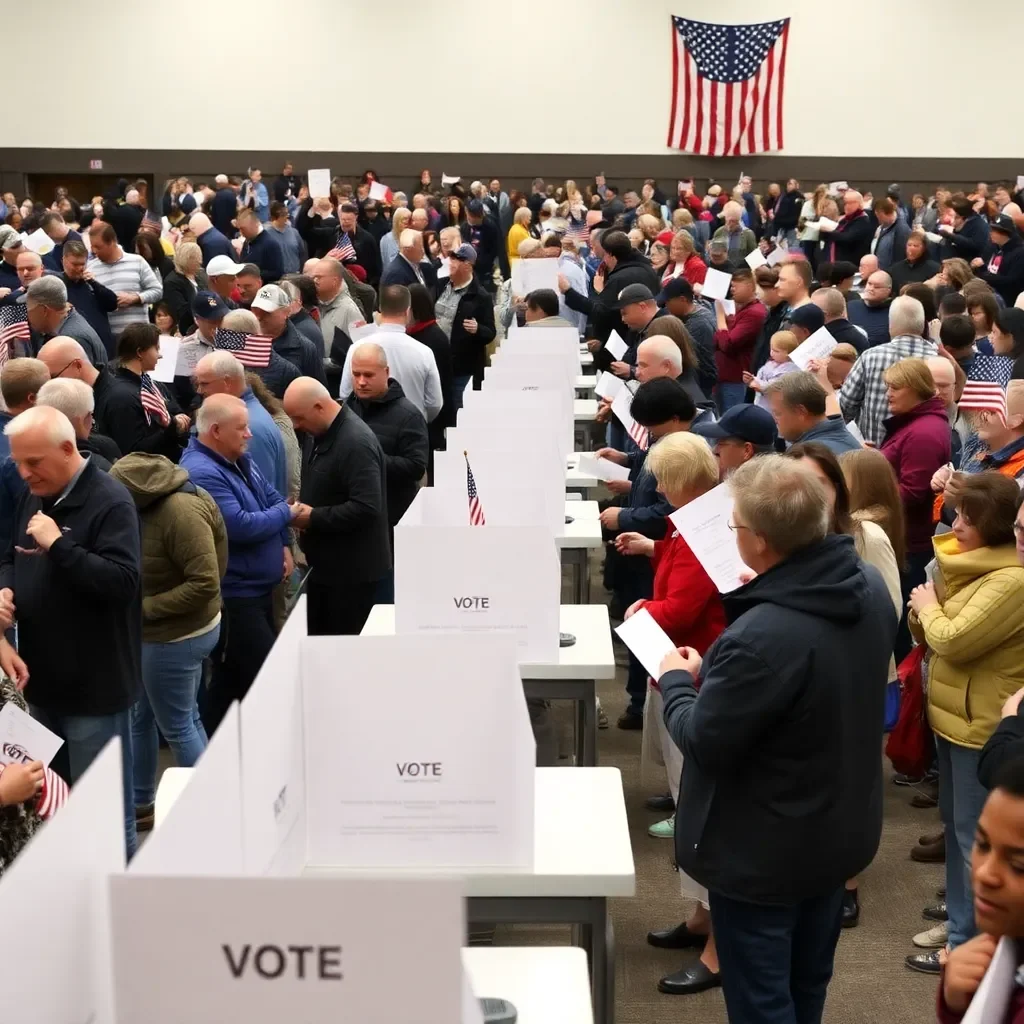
<point x="519" y="232"/>
<point x="972" y="620"/>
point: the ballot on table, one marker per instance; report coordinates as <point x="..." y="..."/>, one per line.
<point x="818" y="346"/>
<point x="490" y="579"/>
<point x="394" y="778"/>
<point x="716" y="284"/>
<point x="705" y="525"/>
<point x="267" y="950"/>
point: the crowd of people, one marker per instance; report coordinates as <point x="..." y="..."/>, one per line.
<point x="324" y="346"/>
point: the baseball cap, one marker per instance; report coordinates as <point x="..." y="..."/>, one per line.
<point x="1003" y="223"/>
<point x="746" y="422"/>
<point x="270" y="298"/>
<point x="808" y="316"/>
<point x="9" y="238"/>
<point x="718" y="244"/>
<point x="223" y="265"/>
<point x="677" y="288"/>
<point x="466" y="253"/>
<point x="209" y="305"/>
<point x="475" y="207"/>
<point x="633" y="293"/>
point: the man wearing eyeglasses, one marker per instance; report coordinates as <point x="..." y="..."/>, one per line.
<point x="65" y="358"/>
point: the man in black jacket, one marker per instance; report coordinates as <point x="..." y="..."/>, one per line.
<point x="787" y="212"/>
<point x="1004" y="268"/>
<point x="968" y="235"/>
<point x="342" y="510"/>
<point x="73" y="563"/>
<point x="90" y="298"/>
<point x="781" y="744"/>
<point x="272" y="306"/>
<point x="409" y="266"/>
<point x="465" y="312"/>
<point x="261" y="247"/>
<point x="366" y="246"/>
<point x="482" y="233"/>
<point x="832" y="304"/>
<point x="224" y="206"/>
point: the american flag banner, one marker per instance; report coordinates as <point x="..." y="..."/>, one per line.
<point x="476" y="512"/>
<point x="153" y="404"/>
<point x="344" y="250"/>
<point x="251" y="350"/>
<point x="727" y="87"/>
<point x="983" y="396"/>
<point x="13" y="329"/>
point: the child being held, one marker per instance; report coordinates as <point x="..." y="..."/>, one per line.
<point x="782" y="343"/>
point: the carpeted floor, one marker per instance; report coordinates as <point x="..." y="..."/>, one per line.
<point x="870" y="985"/>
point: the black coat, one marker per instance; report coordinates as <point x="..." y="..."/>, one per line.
<point x="400" y="271"/>
<point x="368" y="254"/>
<point x="319" y="233"/>
<point x="436" y="340"/>
<point x="265" y="251"/>
<point x="401" y="431"/>
<point x="223" y="209"/>
<point x="487" y="243"/>
<point x="782" y="740"/>
<point x="125" y="219"/>
<point x="279" y="373"/>
<point x="178" y="294"/>
<point x="343" y="480"/>
<point x="905" y="272"/>
<point x="469" y="351"/>
<point x="787" y="210"/>
<point x="294" y="346"/>
<point x="850" y="241"/>
<point x="124" y="420"/>
<point x="1008" y="278"/>
<point x="94" y="301"/>
<point x="843" y="331"/>
<point x="971" y="240"/>
<point x="635" y="269"/>
<point x="90" y="583"/>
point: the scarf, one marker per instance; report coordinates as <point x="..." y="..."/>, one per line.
<point x="420" y="325"/>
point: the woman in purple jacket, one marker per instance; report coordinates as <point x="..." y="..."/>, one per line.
<point x="916" y="443"/>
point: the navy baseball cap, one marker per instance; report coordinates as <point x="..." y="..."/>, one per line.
<point x="746" y="422"/>
<point x="808" y="316"/>
<point x="465" y="252"/>
<point x="209" y="306"/>
<point x="677" y="288"/>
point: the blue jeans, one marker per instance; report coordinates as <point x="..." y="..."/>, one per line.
<point x="459" y="384"/>
<point x="728" y="395"/>
<point x="776" y="961"/>
<point x="961" y="797"/>
<point x="171" y="676"/>
<point x="84" y="737"/>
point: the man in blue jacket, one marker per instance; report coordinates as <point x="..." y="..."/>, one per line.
<point x="257" y="520"/>
<point x="260" y="247"/>
<point x="780" y="800"/>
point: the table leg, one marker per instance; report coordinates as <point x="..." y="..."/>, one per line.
<point x="601" y="951"/>
<point x="586" y="728"/>
<point x="576" y="558"/>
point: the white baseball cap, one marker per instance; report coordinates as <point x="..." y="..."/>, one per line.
<point x="270" y="298"/>
<point x="223" y="265"/>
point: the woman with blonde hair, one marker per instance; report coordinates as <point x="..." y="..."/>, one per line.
<point x="389" y="243"/>
<point x="952" y="277"/>
<point x="651" y="227"/>
<point x="807" y="224"/>
<point x="684" y="260"/>
<point x="518" y="233"/>
<point x="687" y="606"/>
<point x="183" y="283"/>
<point x="875" y="495"/>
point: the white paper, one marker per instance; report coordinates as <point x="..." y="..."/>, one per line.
<point x="400" y="782"/>
<point x="716" y="284"/>
<point x="818" y="346"/>
<point x="992" y="998"/>
<point x="444" y="270"/>
<point x="1020" y="182"/>
<point x="755" y="259"/>
<point x="704" y="525"/>
<point x="616" y="345"/>
<point x="357" y="334"/>
<point x="603" y="469"/>
<point x="827" y="224"/>
<point x="684" y="184"/>
<point x="378" y="191"/>
<point x="347" y="934"/>
<point x="777" y="255"/>
<point x="450" y="179"/>
<point x="320" y="183"/>
<point x="729" y="306"/>
<point x="23" y="739"/>
<point x="189" y="355"/>
<point x="836" y="187"/>
<point x="646" y="639"/>
<point x="167" y="365"/>
<point x="539" y="273"/>
<point x="608" y="386"/>
<point x="855" y="430"/>
<point x="39" y="242"/>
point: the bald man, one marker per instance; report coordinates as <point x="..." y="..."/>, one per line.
<point x="212" y="241"/>
<point x="832" y="303"/>
<point x="29" y="267"/>
<point x="64" y="357"/>
<point x="257" y="518"/>
<point x="342" y="510"/>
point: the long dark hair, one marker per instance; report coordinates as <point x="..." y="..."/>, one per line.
<point x="829" y="465"/>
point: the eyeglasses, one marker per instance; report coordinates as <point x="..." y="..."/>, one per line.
<point x="1018" y="529"/>
<point x="72" y="363"/>
<point x="738" y="526"/>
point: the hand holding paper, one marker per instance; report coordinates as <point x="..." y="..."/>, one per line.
<point x="615" y="345"/>
<point x="647" y="640"/>
<point x="684" y="659"/>
<point x="602" y="469"/>
<point x="716" y="284"/>
<point x="23" y="739"/>
<point x="755" y="259"/>
<point x="818" y="346"/>
<point x="827" y="224"/>
<point x="320" y="183"/>
<point x="704" y="525"/>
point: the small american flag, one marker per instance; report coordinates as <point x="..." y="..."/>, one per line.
<point x="252" y="350"/>
<point x="639" y="435"/>
<point x="727" y="87"/>
<point x="476" y="512"/>
<point x="13" y="329"/>
<point x="344" y="250"/>
<point x="983" y="396"/>
<point x="153" y="404"/>
<point x="53" y="796"/>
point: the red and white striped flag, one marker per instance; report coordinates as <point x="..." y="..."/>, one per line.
<point x="476" y="511"/>
<point x="13" y="329"/>
<point x="53" y="796"/>
<point x="153" y="404"/>
<point x="251" y="350"/>
<point x="344" y="250"/>
<point x="727" y="87"/>
<point x="984" y="396"/>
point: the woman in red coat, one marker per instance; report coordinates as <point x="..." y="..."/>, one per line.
<point x="684" y="260"/>
<point x="686" y="604"/>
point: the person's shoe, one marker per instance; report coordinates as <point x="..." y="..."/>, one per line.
<point x="932" y="938"/>
<point x="602" y="718"/>
<point x="931" y="840"/>
<point x="851" y="908"/>
<point x="144" y="818"/>
<point x="679" y="937"/>
<point x="901" y="779"/>
<point x="663" y="829"/>
<point x="925" y="963"/>
<point x="941" y="893"/>
<point x="933" y="854"/>
<point x="663" y="802"/>
<point x="696" y="978"/>
<point x="936" y="913"/>
<point x="924" y="799"/>
<point x="630" y="720"/>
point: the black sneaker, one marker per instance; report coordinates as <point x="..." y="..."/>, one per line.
<point x="901" y="779"/>
<point x="936" y="913"/>
<point x="925" y="963"/>
<point x="630" y="720"/>
<point x="144" y="818"/>
<point x="663" y="803"/>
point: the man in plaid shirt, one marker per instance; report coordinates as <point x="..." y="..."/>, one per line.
<point x="863" y="397"/>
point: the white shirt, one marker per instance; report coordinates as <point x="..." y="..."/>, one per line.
<point x="409" y="362"/>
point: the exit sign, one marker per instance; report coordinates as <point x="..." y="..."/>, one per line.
<point x="95" y="165"/>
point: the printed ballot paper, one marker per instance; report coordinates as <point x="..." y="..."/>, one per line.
<point x="615" y="345"/>
<point x="401" y="782"/>
<point x="818" y="346"/>
<point x="646" y="639"/>
<point x="378" y="191"/>
<point x="704" y="525"/>
<point x="603" y="469"/>
<point x="827" y="224"/>
<point x="23" y="739"/>
<point x="283" y="949"/>
<point x="320" y="183"/>
<point x="755" y="259"/>
<point x="167" y="364"/>
<point x="716" y="284"/>
<point x="608" y="386"/>
<point x="855" y="430"/>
